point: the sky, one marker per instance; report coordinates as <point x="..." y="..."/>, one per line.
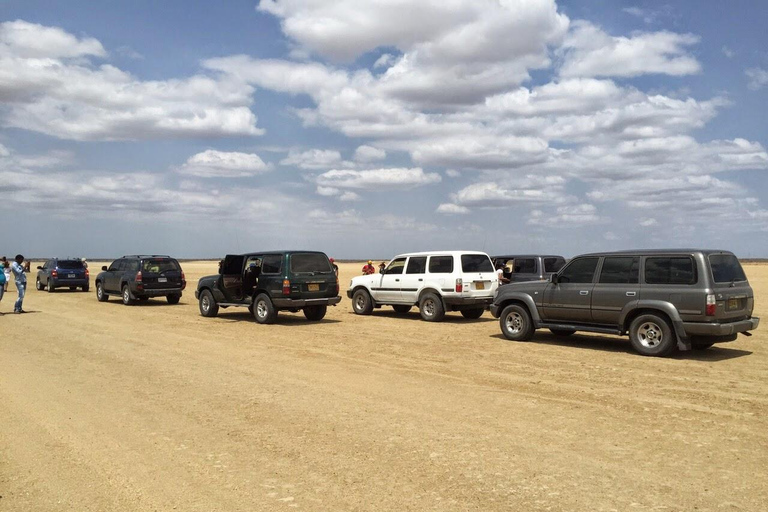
<point x="367" y="128"/>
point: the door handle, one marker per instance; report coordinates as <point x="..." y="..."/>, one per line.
<point x="420" y="279"/>
<point x="584" y="292"/>
<point x="397" y="280"/>
<point x="631" y="294"/>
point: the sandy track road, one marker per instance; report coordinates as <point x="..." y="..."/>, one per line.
<point x="153" y="407"/>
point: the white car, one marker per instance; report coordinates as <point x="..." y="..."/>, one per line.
<point x="436" y="282"/>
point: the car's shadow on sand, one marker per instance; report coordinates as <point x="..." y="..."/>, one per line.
<point x="151" y="303"/>
<point x="413" y="315"/>
<point x="284" y="318"/>
<point x="616" y="344"/>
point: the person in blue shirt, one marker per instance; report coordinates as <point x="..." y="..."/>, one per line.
<point x="21" y="282"/>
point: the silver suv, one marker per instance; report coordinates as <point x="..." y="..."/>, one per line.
<point x="665" y="300"/>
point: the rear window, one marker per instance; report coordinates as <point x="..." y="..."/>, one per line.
<point x="476" y="263"/>
<point x="553" y="264"/>
<point x="306" y="262"/>
<point x="726" y="268"/>
<point x="159" y="265"/>
<point x="70" y="264"/>
<point x="441" y="264"/>
<point x="670" y="270"/>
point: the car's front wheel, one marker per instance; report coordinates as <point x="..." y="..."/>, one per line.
<point x="101" y="295"/>
<point x="263" y="310"/>
<point x="315" y="313"/>
<point x="208" y="306"/>
<point x="431" y="308"/>
<point x="516" y="323"/>
<point x="651" y="335"/>
<point x="362" y="303"/>
<point x="173" y="299"/>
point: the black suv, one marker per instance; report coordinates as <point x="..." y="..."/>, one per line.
<point x="141" y="277"/>
<point x="528" y="267"/>
<point x="269" y="282"/>
<point x="665" y="300"/>
<point x="56" y="273"/>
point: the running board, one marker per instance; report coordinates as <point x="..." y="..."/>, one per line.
<point x="586" y="328"/>
<point x="238" y="304"/>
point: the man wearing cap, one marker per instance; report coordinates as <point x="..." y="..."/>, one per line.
<point x="17" y="268"/>
<point x="368" y="268"/>
<point x="335" y="267"/>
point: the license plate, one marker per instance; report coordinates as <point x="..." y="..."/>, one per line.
<point x="71" y="276"/>
<point x="314" y="287"/>
<point x="733" y="303"/>
<point x="479" y="285"/>
<point x="162" y="279"/>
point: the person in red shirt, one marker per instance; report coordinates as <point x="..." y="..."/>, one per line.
<point x="368" y="268"/>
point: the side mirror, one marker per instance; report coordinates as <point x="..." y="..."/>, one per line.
<point x="553" y="279"/>
<point x="39" y="267"/>
<point x="104" y="267"/>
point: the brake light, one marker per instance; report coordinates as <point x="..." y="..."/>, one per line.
<point x="286" y="287"/>
<point x="183" y="281"/>
<point x="711" y="305"/>
<point x="138" y="276"/>
<point x="87" y="273"/>
<point x="54" y="273"/>
<point x="459" y="285"/>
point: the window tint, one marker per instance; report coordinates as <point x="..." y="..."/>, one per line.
<point x="476" y="263"/>
<point x="579" y="271"/>
<point x="726" y="268"/>
<point x="553" y="264"/>
<point x="440" y="264"/>
<point x="417" y="265"/>
<point x="396" y="267"/>
<point x="116" y="265"/>
<point x="670" y="270"/>
<point x="159" y="265"/>
<point x="525" y="265"/>
<point x="272" y="264"/>
<point x="307" y="262"/>
<point x="70" y="264"/>
<point x="620" y="270"/>
<point x="131" y="265"/>
<point x="232" y="265"/>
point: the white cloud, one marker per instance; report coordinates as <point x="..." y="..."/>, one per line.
<point x="221" y="164"/>
<point x="377" y="178"/>
<point x="349" y="196"/>
<point x="452" y="209"/>
<point x="26" y="40"/>
<point x="728" y="52"/>
<point x="367" y="154"/>
<point x="588" y="51"/>
<point x="648" y="222"/>
<point x="523" y="190"/>
<point x="758" y="78"/>
<point x="312" y="158"/>
<point x="566" y="216"/>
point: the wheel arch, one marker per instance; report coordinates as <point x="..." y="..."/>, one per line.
<point x="524" y="300"/>
<point x="664" y="309"/>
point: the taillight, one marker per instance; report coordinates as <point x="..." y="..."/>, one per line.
<point x="711" y="305"/>
<point x="139" y="283"/>
<point x="87" y="273"/>
<point x="183" y="281"/>
<point x="54" y="273"/>
<point x="459" y="285"/>
<point x="286" y="287"/>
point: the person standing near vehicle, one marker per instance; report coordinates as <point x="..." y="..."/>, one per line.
<point x="335" y="267"/>
<point x="21" y="282"/>
<point x="7" y="271"/>
<point x="368" y="268"/>
<point x="3" y="284"/>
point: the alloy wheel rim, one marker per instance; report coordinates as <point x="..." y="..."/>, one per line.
<point x="205" y="303"/>
<point x="261" y="309"/>
<point x="360" y="303"/>
<point x="650" y="335"/>
<point x="429" y="307"/>
<point x="126" y="295"/>
<point x="514" y="322"/>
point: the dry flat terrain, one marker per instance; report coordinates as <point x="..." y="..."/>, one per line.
<point x="106" y="407"/>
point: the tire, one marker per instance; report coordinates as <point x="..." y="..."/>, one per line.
<point x="472" y="314"/>
<point x="651" y="335"/>
<point x="73" y="288"/>
<point x="315" y="313"/>
<point x="401" y="310"/>
<point x="86" y="288"/>
<point x="208" y="306"/>
<point x="263" y="310"/>
<point x="101" y="295"/>
<point x="50" y="286"/>
<point x="562" y="332"/>
<point x="173" y="299"/>
<point x="516" y="324"/>
<point x="38" y="284"/>
<point x="126" y="295"/>
<point x="431" y="308"/>
<point x="362" y="303"/>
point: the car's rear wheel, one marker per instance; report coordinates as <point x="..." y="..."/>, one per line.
<point x="562" y="332"/>
<point x="472" y="314"/>
<point x="516" y="323"/>
<point x="315" y="313"/>
<point x="173" y="299"/>
<point x="101" y="295"/>
<point x="401" y="309"/>
<point x="208" y="306"/>
<point x="362" y="303"/>
<point x="86" y="288"/>
<point x="73" y="288"/>
<point x="38" y="284"/>
<point x="651" y="335"/>
<point x="263" y="310"/>
<point x="431" y="308"/>
<point x="127" y="300"/>
<point x="50" y="286"/>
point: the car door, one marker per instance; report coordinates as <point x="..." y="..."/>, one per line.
<point x="231" y="279"/>
<point x="390" y="282"/>
<point x="569" y="299"/>
<point x="44" y="272"/>
<point x="413" y="279"/>
<point x="112" y="278"/>
<point x="618" y="284"/>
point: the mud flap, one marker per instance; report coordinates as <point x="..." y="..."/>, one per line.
<point x="683" y="341"/>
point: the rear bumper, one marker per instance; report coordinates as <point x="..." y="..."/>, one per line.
<point x="158" y="292"/>
<point x="467" y="302"/>
<point x="300" y="303"/>
<point x="724" y="329"/>
<point x="70" y="282"/>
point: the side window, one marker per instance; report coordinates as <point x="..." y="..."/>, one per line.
<point x="670" y="270"/>
<point x="553" y="264"/>
<point x="440" y="264"/>
<point x="620" y="270"/>
<point x="417" y="265"/>
<point x="580" y="270"/>
<point x="272" y="264"/>
<point x="525" y="265"/>
<point x="132" y="265"/>
<point x="115" y="266"/>
<point x="396" y="267"/>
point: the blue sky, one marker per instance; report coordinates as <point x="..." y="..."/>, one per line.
<point x="365" y="130"/>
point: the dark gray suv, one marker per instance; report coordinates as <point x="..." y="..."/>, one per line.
<point x="528" y="267"/>
<point x="665" y="300"/>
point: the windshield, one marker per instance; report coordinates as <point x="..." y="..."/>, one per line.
<point x="726" y="268"/>
<point x="306" y="262"/>
<point x="476" y="263"/>
<point x="160" y="265"/>
<point x="70" y="264"/>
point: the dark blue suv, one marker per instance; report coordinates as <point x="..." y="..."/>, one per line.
<point x="62" y="273"/>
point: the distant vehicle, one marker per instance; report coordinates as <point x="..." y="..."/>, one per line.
<point x="436" y="282"/>
<point x="269" y="282"/>
<point x="529" y="267"/>
<point x="141" y="277"/>
<point x="62" y="273"/>
<point x="665" y="300"/>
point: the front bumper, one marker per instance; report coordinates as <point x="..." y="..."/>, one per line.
<point x="724" y="329"/>
<point x="300" y="303"/>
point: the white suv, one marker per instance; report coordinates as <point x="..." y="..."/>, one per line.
<point x="436" y="282"/>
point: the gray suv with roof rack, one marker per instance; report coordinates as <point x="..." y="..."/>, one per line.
<point x="665" y="300"/>
<point x="528" y="267"/>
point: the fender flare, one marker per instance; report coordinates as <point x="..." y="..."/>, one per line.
<point x="683" y="341"/>
<point x="506" y="298"/>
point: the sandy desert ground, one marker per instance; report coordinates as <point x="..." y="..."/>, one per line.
<point x="105" y="407"/>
